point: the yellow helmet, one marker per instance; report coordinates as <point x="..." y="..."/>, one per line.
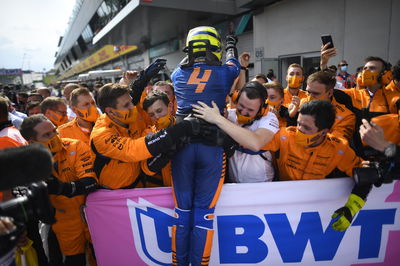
<point x="211" y="39"/>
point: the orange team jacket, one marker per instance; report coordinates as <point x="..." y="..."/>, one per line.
<point x="381" y="103"/>
<point x="391" y="127"/>
<point x="287" y="96"/>
<point x="345" y="120"/>
<point x="165" y="176"/>
<point x="73" y="131"/>
<point x="11" y="137"/>
<point x="73" y="162"/>
<point x="392" y="86"/>
<point x="125" y="147"/>
<point x="298" y="163"/>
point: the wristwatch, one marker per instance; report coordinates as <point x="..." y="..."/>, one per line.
<point x="390" y="150"/>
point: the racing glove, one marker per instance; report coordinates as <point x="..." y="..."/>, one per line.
<point x="231" y="50"/>
<point x="165" y="139"/>
<point x="347" y="212"/>
<point x="145" y="76"/>
<point x="155" y="164"/>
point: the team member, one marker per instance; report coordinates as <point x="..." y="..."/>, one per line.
<point x="168" y="88"/>
<point x="84" y="106"/>
<point x="45" y="92"/>
<point x="394" y="85"/>
<point x="309" y="151"/>
<point x="67" y="93"/>
<point x="117" y="141"/>
<point x="35" y="97"/>
<point x="383" y="135"/>
<point x="320" y="86"/>
<point x="161" y="112"/>
<point x="293" y="94"/>
<point x="73" y="178"/>
<point x="374" y="99"/>
<point x="197" y="176"/>
<point x="9" y="135"/>
<point x="254" y="127"/>
<point x="33" y="108"/>
<point x="275" y="101"/>
<point x="55" y="109"/>
<point x="261" y="78"/>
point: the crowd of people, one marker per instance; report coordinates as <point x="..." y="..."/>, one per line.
<point x="207" y="126"/>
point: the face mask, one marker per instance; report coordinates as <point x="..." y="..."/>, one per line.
<point x="274" y="104"/>
<point x="54" y="144"/>
<point x="56" y="118"/>
<point x="369" y="78"/>
<point x="126" y="116"/>
<point x="242" y="119"/>
<point x="165" y="121"/>
<point x="343" y="68"/>
<point x="305" y="139"/>
<point x="89" y="115"/>
<point x="295" y="81"/>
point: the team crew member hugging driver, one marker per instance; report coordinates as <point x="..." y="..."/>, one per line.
<point x="116" y="139"/>
<point x="252" y="126"/>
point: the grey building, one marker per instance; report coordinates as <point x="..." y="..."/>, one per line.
<point x="276" y="32"/>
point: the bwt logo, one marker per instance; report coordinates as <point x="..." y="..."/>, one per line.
<point x="240" y="236"/>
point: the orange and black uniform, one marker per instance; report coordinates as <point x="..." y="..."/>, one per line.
<point x="73" y="130"/>
<point x="162" y="178"/>
<point x="393" y="87"/>
<point x="345" y="120"/>
<point x="156" y="177"/>
<point x="390" y="124"/>
<point x="10" y="136"/>
<point x="376" y="104"/>
<point x="287" y="96"/>
<point x="367" y="106"/>
<point x="284" y="119"/>
<point x="298" y="163"/>
<point x="119" y="150"/>
<point x="123" y="148"/>
<point x="72" y="163"/>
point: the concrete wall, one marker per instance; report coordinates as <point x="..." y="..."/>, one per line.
<point x="359" y="28"/>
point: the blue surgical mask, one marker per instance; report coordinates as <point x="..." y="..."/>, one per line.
<point x="343" y="68"/>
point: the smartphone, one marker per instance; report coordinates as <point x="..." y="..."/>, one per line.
<point x="327" y="38"/>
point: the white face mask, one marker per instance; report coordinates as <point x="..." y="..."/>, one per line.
<point x="343" y="68"/>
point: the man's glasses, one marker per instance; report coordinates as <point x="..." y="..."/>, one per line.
<point x="343" y="65"/>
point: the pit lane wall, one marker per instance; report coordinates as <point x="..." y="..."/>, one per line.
<point x="277" y="223"/>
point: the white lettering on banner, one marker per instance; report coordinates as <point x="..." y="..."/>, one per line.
<point x="279" y="223"/>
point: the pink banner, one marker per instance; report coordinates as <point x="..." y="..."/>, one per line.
<point x="107" y="214"/>
<point x="271" y="223"/>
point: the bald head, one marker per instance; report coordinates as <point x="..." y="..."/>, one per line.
<point x="68" y="89"/>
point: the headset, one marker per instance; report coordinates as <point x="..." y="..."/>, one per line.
<point x="386" y="76"/>
<point x="261" y="91"/>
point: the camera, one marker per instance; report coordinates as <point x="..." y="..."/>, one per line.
<point x="23" y="170"/>
<point x="32" y="202"/>
<point x="379" y="172"/>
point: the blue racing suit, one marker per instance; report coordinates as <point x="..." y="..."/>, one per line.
<point x="198" y="170"/>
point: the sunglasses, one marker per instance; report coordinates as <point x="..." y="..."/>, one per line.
<point x="343" y="65"/>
